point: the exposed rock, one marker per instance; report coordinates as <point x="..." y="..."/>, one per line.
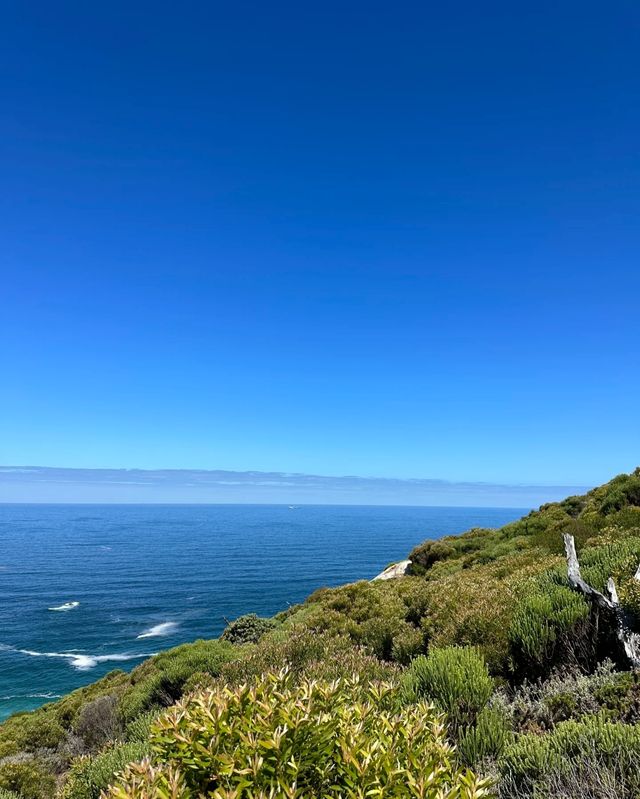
<point x="395" y="570"/>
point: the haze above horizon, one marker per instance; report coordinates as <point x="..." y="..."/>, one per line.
<point x="391" y="241"/>
<point x="35" y="484"/>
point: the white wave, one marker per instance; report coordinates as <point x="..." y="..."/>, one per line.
<point x="47" y="695"/>
<point x="84" y="662"/>
<point x="166" y="628"/>
<point x="66" y="606"/>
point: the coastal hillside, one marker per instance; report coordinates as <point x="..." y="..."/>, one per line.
<point x="499" y="665"/>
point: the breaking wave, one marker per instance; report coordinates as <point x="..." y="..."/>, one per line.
<point x="166" y="628"/>
<point x="45" y="695"/>
<point x="66" y="606"/>
<point x="83" y="662"/>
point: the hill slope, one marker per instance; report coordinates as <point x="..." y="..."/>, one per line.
<point x="480" y="617"/>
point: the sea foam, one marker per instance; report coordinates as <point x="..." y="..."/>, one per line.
<point x="83" y="662"/>
<point x="166" y="628"/>
<point x="46" y="695"/>
<point x="66" y="606"/>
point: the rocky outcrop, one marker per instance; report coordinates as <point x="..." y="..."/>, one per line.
<point x="395" y="570"/>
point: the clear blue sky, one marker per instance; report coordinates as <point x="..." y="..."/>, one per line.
<point x="385" y="239"/>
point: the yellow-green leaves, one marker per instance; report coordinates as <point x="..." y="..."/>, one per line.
<point x="285" y="740"/>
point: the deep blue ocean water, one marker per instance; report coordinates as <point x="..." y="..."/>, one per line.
<point x="148" y="578"/>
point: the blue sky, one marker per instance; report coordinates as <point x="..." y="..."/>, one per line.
<point x="389" y="240"/>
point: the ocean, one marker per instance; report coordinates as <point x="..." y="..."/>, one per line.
<point x="85" y="589"/>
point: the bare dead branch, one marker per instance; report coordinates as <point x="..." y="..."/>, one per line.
<point x="629" y="640"/>
<point x="575" y="578"/>
<point x="612" y="591"/>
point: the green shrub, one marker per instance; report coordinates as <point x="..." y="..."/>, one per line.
<point x="486" y="739"/>
<point x="562" y="706"/>
<point x="620" y="698"/>
<point x="617" y="559"/>
<point x="573" y="505"/>
<point x="89" y="776"/>
<point x="308" y="655"/>
<point x="571" y="695"/>
<point x="98" y="722"/>
<point x="407" y="645"/>
<point x="27" y="778"/>
<point x="473" y="607"/>
<point x="138" y="730"/>
<point x="4" y="794"/>
<point x="161" y="680"/>
<point x="549" y="623"/>
<point x="425" y="555"/>
<point x="455" y="679"/>
<point x="384" y="616"/>
<point x="31" y="731"/>
<point x="582" y="516"/>
<point x="67" y="709"/>
<point x="572" y="752"/>
<point x="622" y="491"/>
<point x="279" y="739"/>
<point x="247" y="629"/>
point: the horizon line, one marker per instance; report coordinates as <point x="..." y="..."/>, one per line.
<point x="25" y="469"/>
<point x="125" y="486"/>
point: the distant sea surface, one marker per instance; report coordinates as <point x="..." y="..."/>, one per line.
<point x="85" y="589"/>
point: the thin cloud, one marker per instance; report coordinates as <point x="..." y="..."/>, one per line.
<point x="58" y="484"/>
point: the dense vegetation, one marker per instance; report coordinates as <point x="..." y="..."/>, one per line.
<point x="282" y="737"/>
<point x="480" y="664"/>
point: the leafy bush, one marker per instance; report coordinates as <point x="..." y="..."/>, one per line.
<point x="247" y="629"/>
<point x="473" y="607"/>
<point x="502" y="592"/>
<point x="573" y="749"/>
<point x="568" y="695"/>
<point x="617" y="559"/>
<point x="426" y="554"/>
<point x="89" y="776"/>
<point x="139" y="730"/>
<point x="98" y="722"/>
<point x="27" y="778"/>
<point x="4" y="794"/>
<point x="407" y="645"/>
<point x="456" y="679"/>
<point x="383" y="616"/>
<point x="622" y="491"/>
<point x="485" y="739"/>
<point x="160" y="681"/>
<point x="277" y="739"/>
<point x="582" y="516"/>
<point x="620" y="698"/>
<point x="549" y="623"/>
<point x="552" y="624"/>
<point x="30" y="732"/>
<point x="307" y="654"/>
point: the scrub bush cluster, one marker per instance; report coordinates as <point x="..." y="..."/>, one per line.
<point x="481" y="663"/>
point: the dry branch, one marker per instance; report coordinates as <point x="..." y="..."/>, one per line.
<point x="629" y="640"/>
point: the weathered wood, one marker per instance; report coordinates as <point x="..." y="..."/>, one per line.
<point x="575" y="578"/>
<point x="629" y="640"/>
<point x="612" y="591"/>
